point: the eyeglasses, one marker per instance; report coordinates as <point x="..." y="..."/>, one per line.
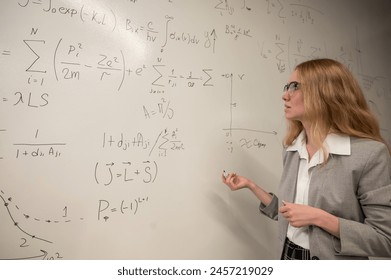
<point x="291" y="87"/>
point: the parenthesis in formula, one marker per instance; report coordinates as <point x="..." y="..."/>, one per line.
<point x="55" y="58"/>
<point x="156" y="171"/>
<point x="81" y="13"/>
<point x="123" y="71"/>
<point x="115" y="20"/>
<point x="135" y="210"/>
<point x="96" y="173"/>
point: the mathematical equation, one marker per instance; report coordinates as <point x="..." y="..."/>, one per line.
<point x="35" y="148"/>
<point x="73" y="61"/>
<point x="111" y="21"/>
<point x="38" y="150"/>
<point x="166" y="141"/>
<point x="128" y="171"/>
<point x="124" y="207"/>
<point x="46" y="246"/>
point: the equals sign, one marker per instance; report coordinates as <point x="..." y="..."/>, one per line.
<point x="5" y="99"/>
<point x="6" y="53"/>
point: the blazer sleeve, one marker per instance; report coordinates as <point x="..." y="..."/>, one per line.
<point x="373" y="236"/>
<point x="270" y="210"/>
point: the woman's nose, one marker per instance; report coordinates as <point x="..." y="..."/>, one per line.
<point x="285" y="96"/>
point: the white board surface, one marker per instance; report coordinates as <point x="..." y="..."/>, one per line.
<point x="118" y="117"/>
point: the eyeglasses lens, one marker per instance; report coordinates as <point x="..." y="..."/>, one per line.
<point x="292" y="86"/>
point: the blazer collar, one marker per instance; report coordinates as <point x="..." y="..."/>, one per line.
<point x="334" y="143"/>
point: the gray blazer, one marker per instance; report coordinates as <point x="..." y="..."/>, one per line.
<point x="355" y="188"/>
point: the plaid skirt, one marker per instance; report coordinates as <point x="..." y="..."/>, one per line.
<point x="294" y="252"/>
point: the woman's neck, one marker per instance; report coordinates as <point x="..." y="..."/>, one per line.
<point x="312" y="148"/>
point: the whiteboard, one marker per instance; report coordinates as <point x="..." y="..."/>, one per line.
<point x="118" y="117"/>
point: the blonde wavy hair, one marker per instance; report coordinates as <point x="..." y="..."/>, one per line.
<point x="334" y="102"/>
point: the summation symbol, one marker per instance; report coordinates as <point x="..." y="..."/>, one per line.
<point x="30" y="44"/>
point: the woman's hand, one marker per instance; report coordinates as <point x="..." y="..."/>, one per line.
<point x="235" y="182"/>
<point x="299" y="215"/>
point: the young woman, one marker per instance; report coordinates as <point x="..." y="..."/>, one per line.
<point x="335" y="190"/>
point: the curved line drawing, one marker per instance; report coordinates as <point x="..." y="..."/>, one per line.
<point x="38" y="257"/>
<point x="6" y="205"/>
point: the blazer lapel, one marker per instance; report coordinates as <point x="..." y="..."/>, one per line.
<point x="288" y="183"/>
